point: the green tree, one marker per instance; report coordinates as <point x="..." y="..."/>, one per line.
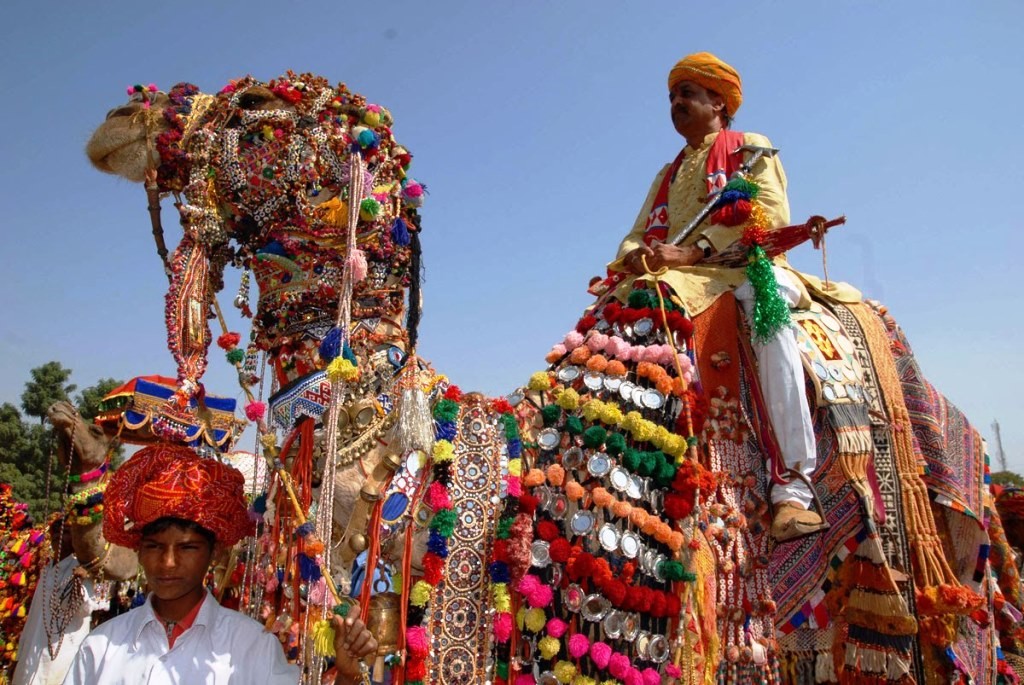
<point x="88" y="400"/>
<point x="1007" y="478"/>
<point x="49" y="384"/>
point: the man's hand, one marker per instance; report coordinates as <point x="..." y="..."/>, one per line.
<point x="661" y="255"/>
<point x="352" y="642"/>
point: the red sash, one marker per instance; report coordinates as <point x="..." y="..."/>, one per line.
<point x="724" y="159"/>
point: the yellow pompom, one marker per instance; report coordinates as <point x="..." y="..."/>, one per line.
<point x="443" y="451"/>
<point x="502" y="602"/>
<point x="660" y="436"/>
<point x="592" y="410"/>
<point x="568" y="399"/>
<point x="515" y="467"/>
<point x="675" y="446"/>
<point x="521" y="618"/>
<point x="565" y="671"/>
<point x="323" y="638"/>
<point x="611" y="414"/>
<point x="631" y="420"/>
<point x="549" y="647"/>
<point x="268" y="440"/>
<point x="268" y="133"/>
<point x="535" y="620"/>
<point x="341" y="369"/>
<point x="540" y="382"/>
<point x="420" y="593"/>
<point x="372" y="119"/>
<point x="334" y="212"/>
<point x="583" y="680"/>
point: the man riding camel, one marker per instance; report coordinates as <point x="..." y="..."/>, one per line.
<point x="705" y="93"/>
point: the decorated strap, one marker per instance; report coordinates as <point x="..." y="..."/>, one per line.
<point x="188" y="303"/>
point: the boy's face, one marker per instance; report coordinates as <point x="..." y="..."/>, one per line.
<point x="176" y="562"/>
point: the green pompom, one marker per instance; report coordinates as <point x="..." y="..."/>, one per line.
<point x="551" y="413"/>
<point x="646" y="465"/>
<point x="631" y="459"/>
<point x="501" y="669"/>
<point x="665" y="474"/>
<point x="236" y="356"/>
<point x="615" y="443"/>
<point x="671" y="570"/>
<point x="444" y="522"/>
<point x="573" y="425"/>
<point x="504" y="527"/>
<point x="744" y="186"/>
<point x="511" y="427"/>
<point x="446" y="410"/>
<point x="594" y="437"/>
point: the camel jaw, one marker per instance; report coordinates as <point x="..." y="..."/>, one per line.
<point x="63" y="415"/>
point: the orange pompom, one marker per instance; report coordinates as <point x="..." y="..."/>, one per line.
<point x="534" y="477"/>
<point x="556" y="475"/>
<point x="574" y="491"/>
<point x="639" y="517"/>
<point x="615" y="368"/>
<point x="597" y="363"/>
<point x="580" y="355"/>
<point x="676" y="541"/>
<point x="602" y="497"/>
<point x="664" y="385"/>
<point x="622" y="509"/>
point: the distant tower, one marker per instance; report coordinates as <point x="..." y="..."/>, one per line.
<point x="1000" y="454"/>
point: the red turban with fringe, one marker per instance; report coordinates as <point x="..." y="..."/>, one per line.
<point x="171" y="480"/>
<point x="709" y="72"/>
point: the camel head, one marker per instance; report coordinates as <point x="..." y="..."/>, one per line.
<point x="85" y="443"/>
<point x="297" y="180"/>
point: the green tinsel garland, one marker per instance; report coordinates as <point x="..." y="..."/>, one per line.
<point x="771" y="313"/>
<point x="511" y="427"/>
<point x="504" y="527"/>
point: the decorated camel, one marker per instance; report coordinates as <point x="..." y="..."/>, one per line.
<point x="607" y="522"/>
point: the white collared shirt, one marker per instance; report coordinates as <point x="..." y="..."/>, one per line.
<point x="221" y="646"/>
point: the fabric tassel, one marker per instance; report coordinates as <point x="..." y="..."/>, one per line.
<point x="309" y="570"/>
<point x="356" y="264"/>
<point x="330" y="346"/>
<point x="414" y="428"/>
<point x="400" y="233"/>
<point x="323" y="638"/>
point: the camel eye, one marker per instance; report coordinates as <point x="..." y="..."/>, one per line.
<point x="255" y="98"/>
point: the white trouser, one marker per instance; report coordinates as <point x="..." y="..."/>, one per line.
<point x="782" y="384"/>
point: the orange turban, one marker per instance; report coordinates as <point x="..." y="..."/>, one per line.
<point x="172" y="480"/>
<point x="707" y="71"/>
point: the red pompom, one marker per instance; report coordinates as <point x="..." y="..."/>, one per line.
<point x="453" y="393"/>
<point x="612" y="311"/>
<point x="433" y="566"/>
<point x="581" y="566"/>
<point x="732" y="214"/>
<point x="547" y="531"/>
<point x="658" y="604"/>
<point x="228" y="341"/>
<point x="559" y="550"/>
<point x="500" y="552"/>
<point x="672" y="604"/>
<point x="528" y="504"/>
<point x="501" y="406"/>
<point x="415" y="669"/>
<point x="586" y="323"/>
<point x="614" y="591"/>
<point x="677" y="506"/>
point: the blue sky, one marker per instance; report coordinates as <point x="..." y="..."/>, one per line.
<point x="537" y="127"/>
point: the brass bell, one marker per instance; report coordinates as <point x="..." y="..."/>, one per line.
<point x="370" y="492"/>
<point x="358" y="543"/>
<point x="391" y="461"/>
<point x="384" y="620"/>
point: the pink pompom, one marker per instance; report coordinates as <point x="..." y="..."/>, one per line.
<point x="528" y="584"/>
<point x="615" y="346"/>
<point x="618" y="666"/>
<point x="318" y="592"/>
<point x="437" y="497"/>
<point x="578" y="645"/>
<point x="515" y="486"/>
<point x="597" y="341"/>
<point x="416" y="641"/>
<point x="651" y="677"/>
<point x="685" y="364"/>
<point x="558" y="350"/>
<point x="630" y="353"/>
<point x="541" y="596"/>
<point x="633" y="677"/>
<point x="649" y="353"/>
<point x="573" y="340"/>
<point x="556" y="627"/>
<point x="600" y="653"/>
<point x="525" y="679"/>
<point x="688" y="376"/>
<point x="503" y="627"/>
<point x="356" y="263"/>
<point x="255" y="411"/>
<point x="673" y="671"/>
